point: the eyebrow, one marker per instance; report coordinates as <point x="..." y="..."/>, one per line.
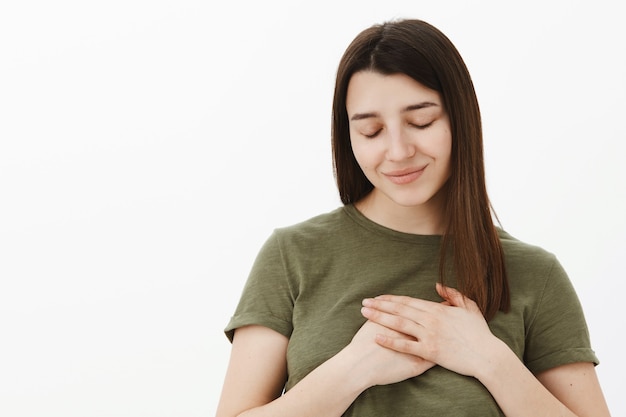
<point x="418" y="106"/>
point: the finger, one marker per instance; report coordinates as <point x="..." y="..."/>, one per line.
<point x="390" y="302"/>
<point x="451" y="295"/>
<point x="399" y="344"/>
<point x="399" y="323"/>
<point x="455" y="298"/>
<point x="400" y="299"/>
<point x="411" y="308"/>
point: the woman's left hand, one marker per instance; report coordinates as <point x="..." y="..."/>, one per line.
<point x="452" y="334"/>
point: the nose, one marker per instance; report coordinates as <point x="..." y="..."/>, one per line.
<point x="399" y="146"/>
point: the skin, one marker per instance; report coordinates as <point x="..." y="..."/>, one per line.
<point x="455" y="335"/>
<point x="403" y="336"/>
<point x="398" y="125"/>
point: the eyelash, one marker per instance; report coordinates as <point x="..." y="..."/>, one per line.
<point x="373" y="135"/>
<point x="419" y="127"/>
<point x="422" y="127"/>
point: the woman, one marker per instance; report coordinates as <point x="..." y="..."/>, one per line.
<point x="407" y="300"/>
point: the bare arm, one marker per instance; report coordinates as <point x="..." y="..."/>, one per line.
<point x="257" y="373"/>
<point x="455" y="335"/>
<point x="577" y="386"/>
<point x="256" y="376"/>
<point x="568" y="390"/>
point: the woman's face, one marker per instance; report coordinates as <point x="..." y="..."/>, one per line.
<point x="400" y="136"/>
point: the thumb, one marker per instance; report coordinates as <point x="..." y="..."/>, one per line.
<point x="452" y="296"/>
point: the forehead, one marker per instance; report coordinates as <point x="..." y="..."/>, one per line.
<point x="373" y="92"/>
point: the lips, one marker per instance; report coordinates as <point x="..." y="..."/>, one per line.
<point x="405" y="176"/>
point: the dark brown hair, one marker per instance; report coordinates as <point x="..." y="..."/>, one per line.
<point x="419" y="50"/>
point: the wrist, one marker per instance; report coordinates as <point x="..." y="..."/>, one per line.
<point x="498" y="359"/>
<point x="349" y="364"/>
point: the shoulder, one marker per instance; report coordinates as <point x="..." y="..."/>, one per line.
<point x="318" y="237"/>
<point x="515" y="249"/>
<point x="530" y="266"/>
<point x="314" y="228"/>
<point x="529" y="263"/>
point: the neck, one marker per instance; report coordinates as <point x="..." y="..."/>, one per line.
<point x="424" y="219"/>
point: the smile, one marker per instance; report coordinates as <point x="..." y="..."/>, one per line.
<point x="404" y="176"/>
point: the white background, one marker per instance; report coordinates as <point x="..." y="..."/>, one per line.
<point x="148" y="148"/>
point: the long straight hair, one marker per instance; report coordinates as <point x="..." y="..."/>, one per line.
<point x="419" y="50"/>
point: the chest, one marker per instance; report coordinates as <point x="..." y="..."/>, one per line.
<point x="327" y="314"/>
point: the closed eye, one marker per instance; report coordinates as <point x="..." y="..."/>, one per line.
<point x="421" y="127"/>
<point x="372" y="135"/>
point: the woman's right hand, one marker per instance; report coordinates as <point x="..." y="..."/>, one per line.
<point x="253" y="387"/>
<point x="384" y="366"/>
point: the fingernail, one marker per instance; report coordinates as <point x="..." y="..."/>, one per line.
<point x="367" y="302"/>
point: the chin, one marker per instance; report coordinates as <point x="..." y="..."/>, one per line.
<point x="411" y="201"/>
<point x="416" y="198"/>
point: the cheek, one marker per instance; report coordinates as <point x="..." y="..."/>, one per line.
<point x="446" y="155"/>
<point x="446" y="150"/>
<point x="362" y="161"/>
<point x="441" y="146"/>
<point x="362" y="155"/>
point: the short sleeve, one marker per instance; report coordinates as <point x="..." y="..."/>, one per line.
<point x="267" y="298"/>
<point x="558" y="333"/>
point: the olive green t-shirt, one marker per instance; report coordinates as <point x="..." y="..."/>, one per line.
<point x="309" y="279"/>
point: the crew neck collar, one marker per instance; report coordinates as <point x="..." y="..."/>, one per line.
<point x="381" y="230"/>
